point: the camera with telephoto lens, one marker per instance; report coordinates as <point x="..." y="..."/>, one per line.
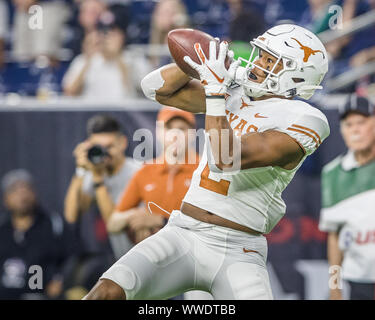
<point x="97" y="154"/>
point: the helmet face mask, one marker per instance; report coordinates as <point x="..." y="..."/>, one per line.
<point x="300" y="75"/>
<point x="270" y="84"/>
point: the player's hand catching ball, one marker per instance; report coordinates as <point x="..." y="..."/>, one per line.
<point x="213" y="74"/>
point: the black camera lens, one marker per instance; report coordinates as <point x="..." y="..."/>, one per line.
<point x="96" y="154"/>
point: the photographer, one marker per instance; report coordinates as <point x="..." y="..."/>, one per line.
<point x="102" y="172"/>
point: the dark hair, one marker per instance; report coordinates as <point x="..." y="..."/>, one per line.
<point x="101" y="124"/>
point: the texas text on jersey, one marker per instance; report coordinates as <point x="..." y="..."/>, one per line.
<point x="252" y="197"/>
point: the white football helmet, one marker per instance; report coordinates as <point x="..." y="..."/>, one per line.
<point x="304" y="59"/>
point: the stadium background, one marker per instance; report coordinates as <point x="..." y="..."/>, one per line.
<point x="38" y="133"/>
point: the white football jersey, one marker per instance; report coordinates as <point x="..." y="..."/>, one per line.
<point x="252" y="197"/>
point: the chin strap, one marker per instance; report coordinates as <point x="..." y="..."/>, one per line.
<point x="306" y="89"/>
<point x="149" y="209"/>
<point x="310" y="87"/>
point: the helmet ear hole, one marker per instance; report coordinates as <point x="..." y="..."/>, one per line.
<point x="290" y="64"/>
<point x="298" y="80"/>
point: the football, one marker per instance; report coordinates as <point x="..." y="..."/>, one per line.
<point x="181" y="43"/>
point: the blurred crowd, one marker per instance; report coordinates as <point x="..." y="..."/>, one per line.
<point x="100" y="49"/>
<point x="112" y="203"/>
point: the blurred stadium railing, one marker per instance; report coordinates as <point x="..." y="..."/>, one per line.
<point x="356" y="24"/>
<point x="354" y="74"/>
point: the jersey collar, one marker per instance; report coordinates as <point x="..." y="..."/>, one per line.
<point x="349" y="162"/>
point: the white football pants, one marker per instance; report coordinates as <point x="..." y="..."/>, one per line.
<point x="188" y="254"/>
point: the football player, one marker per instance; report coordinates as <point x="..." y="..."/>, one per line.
<point x="216" y="242"/>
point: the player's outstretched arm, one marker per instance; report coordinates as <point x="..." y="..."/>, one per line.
<point x="169" y="85"/>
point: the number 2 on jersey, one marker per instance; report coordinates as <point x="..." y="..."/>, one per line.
<point x="220" y="187"/>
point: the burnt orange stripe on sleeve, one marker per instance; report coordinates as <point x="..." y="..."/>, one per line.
<point x="306" y="133"/>
<point x="308" y="129"/>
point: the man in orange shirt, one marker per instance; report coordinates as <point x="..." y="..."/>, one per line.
<point x="160" y="184"/>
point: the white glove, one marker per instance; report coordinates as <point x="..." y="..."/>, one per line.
<point x="212" y="72"/>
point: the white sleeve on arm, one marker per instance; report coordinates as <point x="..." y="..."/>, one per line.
<point x="74" y="70"/>
<point x="309" y="130"/>
<point x="327" y="223"/>
<point x="152" y="82"/>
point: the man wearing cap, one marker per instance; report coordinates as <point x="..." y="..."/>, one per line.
<point x="161" y="185"/>
<point x="348" y="199"/>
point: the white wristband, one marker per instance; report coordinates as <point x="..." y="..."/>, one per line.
<point x="215" y="107"/>
<point x="151" y="83"/>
